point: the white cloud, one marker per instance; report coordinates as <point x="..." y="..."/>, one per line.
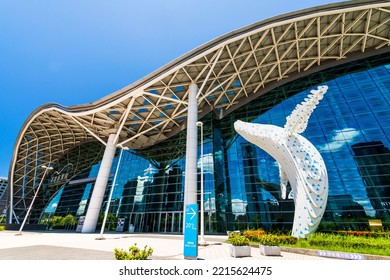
<point x="209" y="205"/>
<point x="366" y="204"/>
<point x="208" y="163"/>
<point x="341" y="138"/>
<point x="238" y="206"/>
<point x="150" y="171"/>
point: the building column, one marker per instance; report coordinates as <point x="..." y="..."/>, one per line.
<point x="100" y="187"/>
<point x="190" y="181"/>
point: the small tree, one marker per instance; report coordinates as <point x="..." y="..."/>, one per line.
<point x="56" y="221"/>
<point x="69" y="221"/>
<point x="111" y="221"/>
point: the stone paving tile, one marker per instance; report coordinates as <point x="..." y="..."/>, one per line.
<point x="44" y="252"/>
<point x="76" y="246"/>
<point x="221" y="252"/>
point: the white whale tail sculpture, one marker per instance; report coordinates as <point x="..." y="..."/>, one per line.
<point x="299" y="161"/>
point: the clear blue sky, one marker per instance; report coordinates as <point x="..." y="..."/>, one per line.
<point x="73" y="52"/>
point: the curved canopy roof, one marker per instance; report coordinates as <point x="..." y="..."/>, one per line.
<point x="230" y="71"/>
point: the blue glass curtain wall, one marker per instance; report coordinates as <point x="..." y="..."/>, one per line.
<point x="350" y="128"/>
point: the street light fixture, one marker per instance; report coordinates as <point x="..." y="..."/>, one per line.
<point x="202" y="241"/>
<point x="35" y="195"/>
<point x="111" y="191"/>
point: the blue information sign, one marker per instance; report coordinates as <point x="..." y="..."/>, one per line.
<point x="191" y="232"/>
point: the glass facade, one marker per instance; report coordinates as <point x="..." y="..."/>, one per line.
<point x="350" y="127"/>
<point x="3" y="196"/>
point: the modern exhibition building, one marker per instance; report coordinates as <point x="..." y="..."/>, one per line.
<point x="140" y="139"/>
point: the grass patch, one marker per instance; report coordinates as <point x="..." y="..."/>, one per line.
<point x="344" y="243"/>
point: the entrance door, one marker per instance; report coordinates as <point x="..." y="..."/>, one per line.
<point x="177" y="222"/>
<point x="137" y="220"/>
<point x="164" y="222"/>
<point x="169" y="222"/>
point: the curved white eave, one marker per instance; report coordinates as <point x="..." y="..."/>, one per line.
<point x="213" y="45"/>
<point x="136" y="89"/>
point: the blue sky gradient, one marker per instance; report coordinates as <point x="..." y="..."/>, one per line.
<point x="75" y="52"/>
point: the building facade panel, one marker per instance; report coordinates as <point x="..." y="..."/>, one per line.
<point x="3" y="197"/>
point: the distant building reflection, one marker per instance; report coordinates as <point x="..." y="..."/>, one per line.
<point x="373" y="161"/>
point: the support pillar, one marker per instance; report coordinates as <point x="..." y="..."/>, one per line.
<point x="100" y="187"/>
<point x="190" y="181"/>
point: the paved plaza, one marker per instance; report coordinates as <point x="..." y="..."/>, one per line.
<point x="76" y="246"/>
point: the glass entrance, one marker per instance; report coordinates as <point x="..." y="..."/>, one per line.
<point x="159" y="222"/>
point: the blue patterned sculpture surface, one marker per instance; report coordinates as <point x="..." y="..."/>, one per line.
<point x="300" y="163"/>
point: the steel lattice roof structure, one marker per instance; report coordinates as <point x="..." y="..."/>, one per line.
<point x="229" y="71"/>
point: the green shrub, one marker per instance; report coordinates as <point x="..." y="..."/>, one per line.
<point x="260" y="236"/>
<point x="236" y="239"/>
<point x="287" y="240"/>
<point x="2" y="228"/>
<point x="233" y="234"/>
<point x="269" y="240"/>
<point x="134" y="253"/>
<point x="239" y="241"/>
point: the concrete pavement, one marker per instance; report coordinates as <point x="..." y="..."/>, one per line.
<point x="35" y="245"/>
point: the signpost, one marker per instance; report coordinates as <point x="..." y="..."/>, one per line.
<point x="191" y="232"/>
<point x="80" y="224"/>
<point x="120" y="225"/>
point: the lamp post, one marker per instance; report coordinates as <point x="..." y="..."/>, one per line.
<point x="33" y="200"/>
<point x="111" y="191"/>
<point x="202" y="241"/>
